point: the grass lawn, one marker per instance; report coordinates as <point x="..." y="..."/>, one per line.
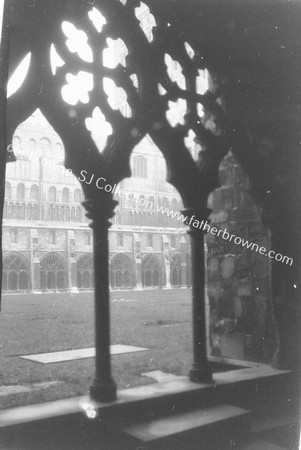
<point x="157" y="319"/>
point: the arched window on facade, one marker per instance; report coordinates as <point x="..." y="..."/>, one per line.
<point x="34" y="193"/>
<point x="16" y="143"/>
<point x="79" y="214"/>
<point x="175" y="270"/>
<point x="67" y="214"/>
<point x="85" y="271"/>
<point x="61" y="214"/>
<point x="55" y="213"/>
<point x="141" y="202"/>
<point x="52" y="194"/>
<point x="32" y="145"/>
<point x="152" y="222"/>
<point x="21" y="212"/>
<point x="152" y="202"/>
<point x="121" y="271"/>
<point x="13" y="234"/>
<point x="77" y="196"/>
<point x="15" y="273"/>
<point x="7" y="190"/>
<point x="151" y="269"/>
<point x="143" y="219"/>
<point x="15" y="210"/>
<point x="45" y="145"/>
<point x="29" y="212"/>
<point x="65" y="195"/>
<point x="127" y="217"/>
<point x="50" y="212"/>
<point x="35" y="212"/>
<point x="139" y="166"/>
<point x="10" y="211"/>
<point x="21" y="192"/>
<point x="147" y="219"/>
<point x="53" y="273"/>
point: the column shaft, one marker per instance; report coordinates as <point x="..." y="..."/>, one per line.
<point x="103" y="387"/>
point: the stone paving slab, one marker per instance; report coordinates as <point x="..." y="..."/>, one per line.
<point x="81" y="353"/>
<point x="161" y="377"/>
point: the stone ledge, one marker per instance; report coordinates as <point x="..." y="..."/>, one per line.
<point x="145" y="399"/>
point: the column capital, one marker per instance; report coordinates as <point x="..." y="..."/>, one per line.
<point x="100" y="211"/>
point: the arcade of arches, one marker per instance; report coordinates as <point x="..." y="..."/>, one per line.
<point x="52" y="272"/>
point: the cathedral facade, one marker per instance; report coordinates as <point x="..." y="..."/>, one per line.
<point x="47" y="241"/>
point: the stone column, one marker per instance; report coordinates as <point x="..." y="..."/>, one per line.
<point x="103" y="388"/>
<point x="200" y="371"/>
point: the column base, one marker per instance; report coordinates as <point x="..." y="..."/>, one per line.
<point x="103" y="392"/>
<point x="138" y="287"/>
<point x="200" y="374"/>
<point x="73" y="290"/>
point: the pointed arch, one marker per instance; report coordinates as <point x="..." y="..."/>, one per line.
<point x="85" y="271"/>
<point x="121" y="271"/>
<point x="15" y="272"/>
<point x="151" y="269"/>
<point x="53" y="272"/>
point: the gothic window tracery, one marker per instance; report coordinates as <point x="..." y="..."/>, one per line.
<point x="121" y="271"/>
<point x="85" y="272"/>
<point x="15" y="273"/>
<point x="53" y="274"/>
<point x="151" y="268"/>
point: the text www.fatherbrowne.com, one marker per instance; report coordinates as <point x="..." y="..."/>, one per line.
<point x="204" y="226"/>
<point x="191" y="221"/>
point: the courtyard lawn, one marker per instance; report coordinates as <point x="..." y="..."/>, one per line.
<point x="159" y="320"/>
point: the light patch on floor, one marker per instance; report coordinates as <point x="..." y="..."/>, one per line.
<point x="18" y="389"/>
<point x="161" y="377"/>
<point x="81" y="353"/>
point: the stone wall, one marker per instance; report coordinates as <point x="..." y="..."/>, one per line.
<point x="242" y="324"/>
